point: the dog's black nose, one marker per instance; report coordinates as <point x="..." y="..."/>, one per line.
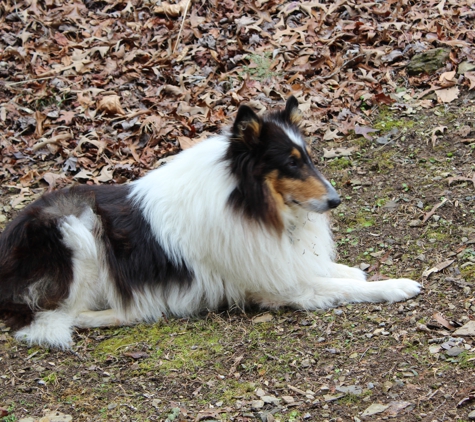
<point x="334" y="202"/>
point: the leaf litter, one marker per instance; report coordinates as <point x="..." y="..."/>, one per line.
<point x="101" y="92"/>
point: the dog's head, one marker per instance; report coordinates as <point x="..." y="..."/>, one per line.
<point x="271" y="161"/>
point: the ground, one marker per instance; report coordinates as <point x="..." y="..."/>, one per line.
<point x="333" y="364"/>
<point x="101" y="92"/>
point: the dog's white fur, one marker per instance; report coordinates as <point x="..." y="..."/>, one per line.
<point x="234" y="260"/>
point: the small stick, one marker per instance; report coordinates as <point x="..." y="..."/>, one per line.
<point x="181" y="26"/>
<point x="432" y="211"/>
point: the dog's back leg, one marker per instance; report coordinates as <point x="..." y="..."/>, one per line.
<point x="106" y="318"/>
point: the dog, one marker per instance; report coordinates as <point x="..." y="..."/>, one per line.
<point x="240" y="218"/>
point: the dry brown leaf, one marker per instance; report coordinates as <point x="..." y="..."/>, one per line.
<point x="437" y="268"/>
<point x="442" y="321"/>
<point x="53" y="140"/>
<point x="330" y="135"/>
<point x="450" y="180"/>
<point x="51" y="179"/>
<point x="88" y="139"/>
<point x="173" y="10"/>
<point x="137" y="354"/>
<point x="185" y="109"/>
<point x="40" y="118"/>
<point x="186" y="142"/>
<point x="448" y="78"/>
<point x="105" y="175"/>
<point x="338" y="152"/>
<point x="267" y="317"/>
<point x="471" y="77"/>
<point x="110" y="105"/>
<point x="365" y="131"/>
<point x="84" y="174"/>
<point x="438" y="129"/>
<point x="447" y="95"/>
<point x="29" y="178"/>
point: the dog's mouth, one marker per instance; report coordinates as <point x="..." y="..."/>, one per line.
<point x="314" y="205"/>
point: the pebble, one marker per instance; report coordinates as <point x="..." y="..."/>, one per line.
<point x="288" y="399"/>
<point x="257" y="404"/>
<point x="471" y="415"/>
<point x="260" y="392"/>
<point x="270" y="399"/>
<point x="454" y="351"/>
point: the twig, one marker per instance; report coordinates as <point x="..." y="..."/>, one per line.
<point x="432" y="211"/>
<point x="53" y="140"/>
<point x="389" y="142"/>
<point x="9" y="84"/>
<point x="181" y="26"/>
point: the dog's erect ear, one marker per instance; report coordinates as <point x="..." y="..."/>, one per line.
<point x="247" y="126"/>
<point x="292" y="114"/>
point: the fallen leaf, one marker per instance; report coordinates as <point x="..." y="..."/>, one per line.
<point x="110" y="105"/>
<point x="173" y="10"/>
<point x="186" y="142"/>
<point x="331" y="135"/>
<point x="374" y="409"/>
<point x="434" y="132"/>
<point x="51" y="179"/>
<point x="447" y="95"/>
<point x="450" y="180"/>
<point x="66" y="117"/>
<point x="384" y="99"/>
<point x="338" y="152"/>
<point x="263" y="318"/>
<point x="442" y="321"/>
<point x="437" y="268"/>
<point x="396" y="407"/>
<point x="105" y="175"/>
<point x="365" y="131"/>
<point x="471" y="77"/>
<point x="83" y="174"/>
<point x="447" y="78"/>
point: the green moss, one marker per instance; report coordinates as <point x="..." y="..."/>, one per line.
<point x="386" y="121"/>
<point x="170" y="346"/>
<point x="340" y="163"/>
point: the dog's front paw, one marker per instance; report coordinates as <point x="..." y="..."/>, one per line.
<point x="400" y="289"/>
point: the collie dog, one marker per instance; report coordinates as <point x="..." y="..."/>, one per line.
<point x="239" y="218"/>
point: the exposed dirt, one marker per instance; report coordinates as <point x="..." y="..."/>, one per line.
<point x="219" y="366"/>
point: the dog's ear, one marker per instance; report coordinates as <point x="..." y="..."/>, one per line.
<point x="247" y="126"/>
<point x="292" y="114"/>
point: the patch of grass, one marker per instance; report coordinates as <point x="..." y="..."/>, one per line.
<point x="340" y="163"/>
<point x="234" y="390"/>
<point x="466" y="360"/>
<point x="171" y="346"/>
<point x="387" y="121"/>
<point x="51" y="378"/>
<point x="260" y="67"/>
<point x="11" y="417"/>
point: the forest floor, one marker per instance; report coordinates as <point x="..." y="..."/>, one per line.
<point x="98" y="92"/>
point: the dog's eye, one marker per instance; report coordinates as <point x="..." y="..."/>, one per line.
<point x="292" y="163"/>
